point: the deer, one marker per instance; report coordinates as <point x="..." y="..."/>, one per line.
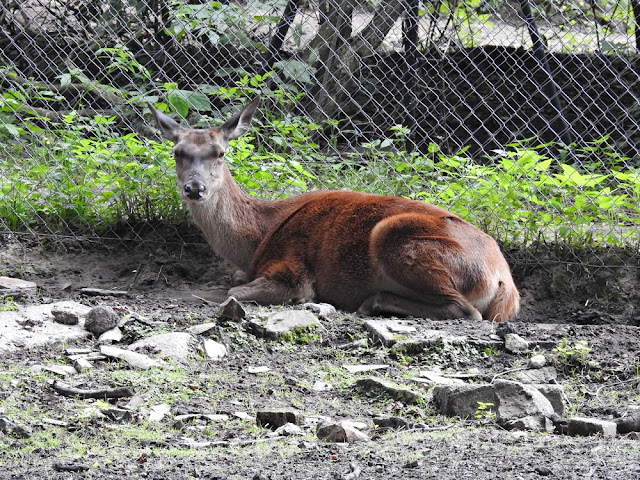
<point x="367" y="253"/>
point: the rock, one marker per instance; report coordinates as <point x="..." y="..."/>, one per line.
<point x="289" y="430"/>
<point x="65" y="315"/>
<point x="433" y="378"/>
<point x="537" y="361"/>
<point x="580" y="426"/>
<point x="276" y="418"/>
<point x="62" y="370"/>
<point x="397" y="392"/>
<point x="110" y="336"/>
<point x="555" y="394"/>
<point x="33" y="326"/>
<point x="287" y="321"/>
<point x="158" y="412"/>
<point x="16" y="287"/>
<point x="232" y="310"/>
<point x="391" y="423"/>
<point x="537" y="375"/>
<point x="322" y="310"/>
<point x="462" y="400"/>
<point x="82" y="364"/>
<point x="174" y="345"/>
<point x="8" y="427"/>
<point x="389" y="332"/>
<point x="136" y="360"/>
<point x="101" y="292"/>
<point x="535" y="423"/>
<point x="260" y="369"/>
<point x="341" y="432"/>
<point x="515" y="343"/>
<point x="523" y="403"/>
<point x="364" y="368"/>
<point x="202" y="328"/>
<point x="216" y="351"/>
<point x="100" y="319"/>
<point x="629" y="423"/>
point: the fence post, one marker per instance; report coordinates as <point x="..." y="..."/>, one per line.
<point x="550" y="88"/>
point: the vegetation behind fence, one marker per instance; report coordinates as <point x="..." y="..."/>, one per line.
<point x="521" y="117"/>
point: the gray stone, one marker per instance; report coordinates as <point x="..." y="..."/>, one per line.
<point x="215" y="350"/>
<point x="110" y="336"/>
<point x="285" y="321"/>
<point x="82" y="364"/>
<point x="364" y="368"/>
<point x="535" y="423"/>
<point x="100" y="319"/>
<point x="231" y="309"/>
<point x="136" y="360"/>
<point x="342" y="432"/>
<point x="289" y="430"/>
<point x="537" y="361"/>
<point x="201" y="328"/>
<point x="278" y="417"/>
<point x="65" y="314"/>
<point x="391" y="423"/>
<point x="555" y="394"/>
<point x="433" y="378"/>
<point x="14" y="286"/>
<point x="580" y="426"/>
<point x="33" y="326"/>
<point x="463" y="400"/>
<point x="515" y="343"/>
<point x="173" y="345"/>
<point x="517" y="401"/>
<point x="392" y="390"/>
<point x="536" y="375"/>
<point x="408" y="334"/>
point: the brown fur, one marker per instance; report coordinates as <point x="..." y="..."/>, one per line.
<point x="357" y="251"/>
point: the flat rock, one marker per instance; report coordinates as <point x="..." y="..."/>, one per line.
<point x="134" y="359"/>
<point x="580" y="426"/>
<point x="540" y="375"/>
<point x="397" y="392"/>
<point x="110" y="336"/>
<point x="10" y="285"/>
<point x="174" y="345"/>
<point x="433" y="378"/>
<point x="285" y="321"/>
<point x="364" y="368"/>
<point x="396" y="333"/>
<point x="463" y="400"/>
<point x="33" y="326"/>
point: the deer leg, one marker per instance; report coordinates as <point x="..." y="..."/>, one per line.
<point x="280" y="283"/>
<point x="447" y="307"/>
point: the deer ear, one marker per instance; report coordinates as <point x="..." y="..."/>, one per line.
<point x="168" y="126"/>
<point x="239" y="124"/>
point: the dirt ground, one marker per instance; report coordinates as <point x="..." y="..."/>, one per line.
<point x="566" y="297"/>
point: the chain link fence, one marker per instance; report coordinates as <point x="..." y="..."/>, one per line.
<point x="522" y="117"/>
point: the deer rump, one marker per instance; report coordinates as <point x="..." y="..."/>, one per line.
<point x="375" y="254"/>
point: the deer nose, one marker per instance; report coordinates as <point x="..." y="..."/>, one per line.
<point x="194" y="190"/>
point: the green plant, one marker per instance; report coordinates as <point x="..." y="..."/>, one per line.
<point x="571" y="356"/>
<point x="8" y="305"/>
<point x="485" y="412"/>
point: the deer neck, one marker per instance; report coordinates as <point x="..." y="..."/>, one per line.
<point x="233" y="222"/>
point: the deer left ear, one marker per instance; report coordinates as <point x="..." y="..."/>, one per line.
<point x="239" y="124"/>
<point x="168" y="126"/>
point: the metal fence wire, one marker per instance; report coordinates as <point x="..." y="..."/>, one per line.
<point x="522" y="117"/>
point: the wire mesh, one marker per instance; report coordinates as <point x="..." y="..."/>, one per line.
<point x="522" y="117"/>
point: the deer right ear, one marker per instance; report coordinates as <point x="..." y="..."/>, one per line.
<point x="238" y="125"/>
<point x="168" y="126"/>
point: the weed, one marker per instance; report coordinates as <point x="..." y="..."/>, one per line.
<point x="570" y="357"/>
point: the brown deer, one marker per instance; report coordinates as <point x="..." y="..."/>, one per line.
<point x="360" y="252"/>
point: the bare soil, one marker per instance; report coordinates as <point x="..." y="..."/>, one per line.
<point x="566" y="296"/>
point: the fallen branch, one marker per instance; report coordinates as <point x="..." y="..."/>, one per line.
<point x="69" y="391"/>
